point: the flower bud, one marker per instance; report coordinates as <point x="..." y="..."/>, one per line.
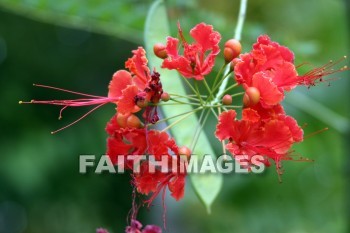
<point x="133" y="122"/>
<point x="142" y="103"/>
<point x="227" y="100"/>
<point x="233" y="64"/>
<point x="165" y="96"/>
<point x="251" y="97"/>
<point x="185" y="151"/>
<point x="232" y="49"/>
<point x="160" y="51"/>
<point x="121" y="119"/>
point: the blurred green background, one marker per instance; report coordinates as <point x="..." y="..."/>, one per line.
<point x="78" y="45"/>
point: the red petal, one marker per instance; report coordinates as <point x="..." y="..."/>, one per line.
<point x="224" y="128"/>
<point x="127" y="103"/>
<point x="121" y="79"/>
<point x="244" y="69"/>
<point x="249" y="114"/>
<point x="297" y="132"/>
<point x="269" y="113"/>
<point x="277" y="136"/>
<point x="116" y="148"/>
<point x="206" y="37"/>
<point x="285" y="76"/>
<point x="269" y="92"/>
<point x="177" y="187"/>
<point x="112" y="125"/>
<point x="172" y="46"/>
<point x="146" y="182"/>
<point x="138" y="66"/>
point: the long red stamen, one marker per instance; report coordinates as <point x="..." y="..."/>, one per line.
<point x="64" y="90"/>
<point x="92" y="100"/>
<point x="80" y="118"/>
<point x="314" y="133"/>
<point x="316" y="75"/>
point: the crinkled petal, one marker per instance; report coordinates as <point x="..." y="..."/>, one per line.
<point x="120" y="80"/>
<point x="224" y="128"/>
<point x="277" y="136"/>
<point x="297" y="132"/>
<point x="117" y="148"/>
<point x="269" y="92"/>
<point x="206" y="37"/>
<point x="127" y="103"/>
<point x="172" y="47"/>
<point x="285" y="76"/>
<point x="137" y="65"/>
<point x="251" y="115"/>
<point x="177" y="187"/>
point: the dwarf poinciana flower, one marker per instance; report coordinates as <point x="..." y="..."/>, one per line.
<point x="198" y="58"/>
<point x="253" y="136"/>
<point x="125" y="141"/>
<point x="270" y="68"/>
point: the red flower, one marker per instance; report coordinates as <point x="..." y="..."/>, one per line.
<point x="252" y="136"/>
<point x="199" y="57"/>
<point x="124" y="141"/>
<point x="147" y="182"/>
<point x="270" y="68"/>
<point x="139" y="86"/>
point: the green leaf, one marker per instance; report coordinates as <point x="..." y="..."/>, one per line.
<point x="206" y="186"/>
<point x="117" y="18"/>
<point x="319" y="111"/>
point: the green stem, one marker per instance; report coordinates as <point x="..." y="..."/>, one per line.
<point x="199" y="131"/>
<point x="238" y="94"/>
<point x="178" y="115"/>
<point x="197" y="89"/>
<point x="178" y="121"/>
<point x="181" y="102"/>
<point x="229" y="88"/>
<point x="208" y="89"/>
<point x="215" y="81"/>
<point x="237" y="36"/>
<point x="184" y="97"/>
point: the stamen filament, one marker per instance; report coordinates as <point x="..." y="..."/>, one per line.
<point x="80" y="118"/>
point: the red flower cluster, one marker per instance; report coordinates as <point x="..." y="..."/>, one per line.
<point x="128" y="136"/>
<point x="265" y="73"/>
<point x="271" y="136"/>
<point x="270" y="68"/>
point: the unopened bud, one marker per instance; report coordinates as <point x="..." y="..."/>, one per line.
<point x="142" y="103"/>
<point x="160" y="51"/>
<point x="121" y="119"/>
<point x="133" y="121"/>
<point x="165" y="96"/>
<point x="232" y="49"/>
<point x="227" y="100"/>
<point x="251" y="97"/>
<point x="233" y="64"/>
<point x="185" y="151"/>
